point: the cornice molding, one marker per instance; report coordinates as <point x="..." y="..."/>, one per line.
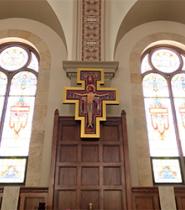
<point x="109" y="67"/>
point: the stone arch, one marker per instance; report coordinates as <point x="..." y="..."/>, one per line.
<point x="51" y="77"/>
<point x="39" y="10"/>
<point x="45" y="59"/>
<point x="147" y="11"/>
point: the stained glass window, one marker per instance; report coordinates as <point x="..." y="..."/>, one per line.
<point x="3" y="86"/>
<point x="13" y="58"/>
<point x="34" y="63"/>
<point x="183" y="67"/>
<point x="145" y="65"/>
<point x="12" y="170"/>
<point x="178" y="88"/>
<point x="164" y="97"/>
<point x="161" y="135"/>
<point x="166" y="171"/>
<point x="155" y="85"/>
<point x="165" y="60"/>
<point x="18" y="83"/>
<point x="23" y="83"/>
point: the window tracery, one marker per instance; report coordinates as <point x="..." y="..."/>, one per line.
<point x="163" y="73"/>
<point x="19" y="64"/>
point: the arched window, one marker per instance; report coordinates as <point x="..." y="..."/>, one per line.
<point x="18" y="83"/>
<point x="163" y="72"/>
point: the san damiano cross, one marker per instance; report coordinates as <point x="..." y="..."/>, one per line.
<point x="90" y="100"/>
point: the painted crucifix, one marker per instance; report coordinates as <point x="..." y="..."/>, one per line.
<point x="90" y="100"/>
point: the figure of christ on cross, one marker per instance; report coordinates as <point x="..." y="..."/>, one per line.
<point x="91" y="95"/>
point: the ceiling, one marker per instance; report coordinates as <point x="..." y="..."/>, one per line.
<point x="38" y="10"/>
<point x="144" y="11"/>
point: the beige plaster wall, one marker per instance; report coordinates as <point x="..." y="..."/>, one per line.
<point x="115" y="11"/>
<point x="66" y="12"/>
<point x="128" y="81"/>
<point x="167" y="198"/>
<point x="13" y="193"/>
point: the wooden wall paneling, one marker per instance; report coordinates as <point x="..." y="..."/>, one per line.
<point x="89" y="176"/>
<point x="90" y="153"/>
<point x="89" y="170"/>
<point x="88" y="196"/>
<point x="113" y="200"/>
<point x="30" y="198"/>
<point x="65" y="198"/>
<point x="145" y="198"/>
<point x="180" y="197"/>
<point x="1" y="196"/>
<point x="66" y="194"/>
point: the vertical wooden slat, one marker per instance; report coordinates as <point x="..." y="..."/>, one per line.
<point x="180" y="197"/>
<point x="53" y="160"/>
<point x="1" y="196"/>
<point x="126" y="161"/>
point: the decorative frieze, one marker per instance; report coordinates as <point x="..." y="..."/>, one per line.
<point x="91" y="30"/>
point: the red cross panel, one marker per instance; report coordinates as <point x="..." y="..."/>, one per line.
<point x="91" y="100"/>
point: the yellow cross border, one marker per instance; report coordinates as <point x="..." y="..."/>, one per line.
<point x="90" y="89"/>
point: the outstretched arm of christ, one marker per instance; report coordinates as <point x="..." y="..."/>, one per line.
<point x="71" y="94"/>
<point x="109" y="95"/>
<point x="80" y="94"/>
<point x="102" y="94"/>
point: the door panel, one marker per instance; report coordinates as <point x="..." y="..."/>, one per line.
<point x="89" y="170"/>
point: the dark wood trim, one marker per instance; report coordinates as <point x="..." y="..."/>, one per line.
<point x="1" y="195"/>
<point x="3" y="184"/>
<point x="179" y="197"/>
<point x="145" y="190"/>
<point x="145" y="198"/>
<point x="33" y="194"/>
<point x="33" y="190"/>
<point x="126" y="160"/>
<point x="53" y="160"/>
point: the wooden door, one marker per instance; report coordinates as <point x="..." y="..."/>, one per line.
<point x="88" y="170"/>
